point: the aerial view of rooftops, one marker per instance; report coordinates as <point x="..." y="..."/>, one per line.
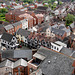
<point x="37" y="37"/>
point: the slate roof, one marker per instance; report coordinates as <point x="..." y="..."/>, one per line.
<point x="72" y="36"/>
<point x="16" y="24"/>
<point x="8" y="27"/>
<point x="17" y="54"/>
<point x="17" y="7"/>
<point x="2" y="30"/>
<point x="7" y="37"/>
<point x="23" y="9"/>
<point x="43" y="24"/>
<point x="55" y="63"/>
<point x="66" y="51"/>
<point x="44" y="28"/>
<point x="6" y="63"/>
<point x="23" y="21"/>
<point x="66" y="30"/>
<point x="42" y="8"/>
<point x="23" y="32"/>
<point x="58" y="31"/>
<point x="72" y="25"/>
<point x="20" y="62"/>
<point x="73" y="55"/>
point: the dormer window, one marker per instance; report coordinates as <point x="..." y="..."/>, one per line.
<point x="52" y="46"/>
<point x="57" y="48"/>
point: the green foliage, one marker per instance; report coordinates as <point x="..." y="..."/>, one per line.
<point x="60" y="3"/>
<point x="51" y="1"/>
<point x="45" y="5"/>
<point x="69" y="19"/>
<point x="29" y="1"/>
<point x="44" y="2"/>
<point x="3" y="10"/>
<point x="8" y="6"/>
<point x="72" y="0"/>
<point x="53" y="6"/>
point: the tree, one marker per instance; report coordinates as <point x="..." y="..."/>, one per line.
<point x="69" y="19"/>
<point x="8" y="6"/>
<point x="29" y="1"/>
<point x="60" y="3"/>
<point x="53" y="6"/>
<point x="44" y="2"/>
<point x="50" y="4"/>
<point x="72" y="0"/>
<point x="45" y="5"/>
<point x="3" y="10"/>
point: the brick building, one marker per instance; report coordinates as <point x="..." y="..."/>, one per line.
<point x="17" y="25"/>
<point x="26" y="16"/>
<point x="9" y="29"/>
<point x="39" y="18"/>
<point x="20" y="67"/>
<point x="18" y="15"/>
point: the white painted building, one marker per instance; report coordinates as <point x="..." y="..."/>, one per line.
<point x="22" y="35"/>
<point x="9" y="41"/>
<point x="24" y="23"/>
<point x="57" y="46"/>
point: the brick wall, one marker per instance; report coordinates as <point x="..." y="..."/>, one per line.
<point x="17" y="27"/>
<point x="23" y="70"/>
<point x="11" y="31"/>
<point x="8" y="17"/>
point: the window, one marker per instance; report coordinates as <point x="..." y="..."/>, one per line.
<point x="10" y="73"/>
<point x="48" y="33"/>
<point x="11" y="48"/>
<point x="54" y="47"/>
<point x="13" y="38"/>
<point x="8" y="46"/>
<point x="3" y="40"/>
<point x="31" y="70"/>
<point x="6" y="69"/>
<point x="57" y="48"/>
<point x="25" y="40"/>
